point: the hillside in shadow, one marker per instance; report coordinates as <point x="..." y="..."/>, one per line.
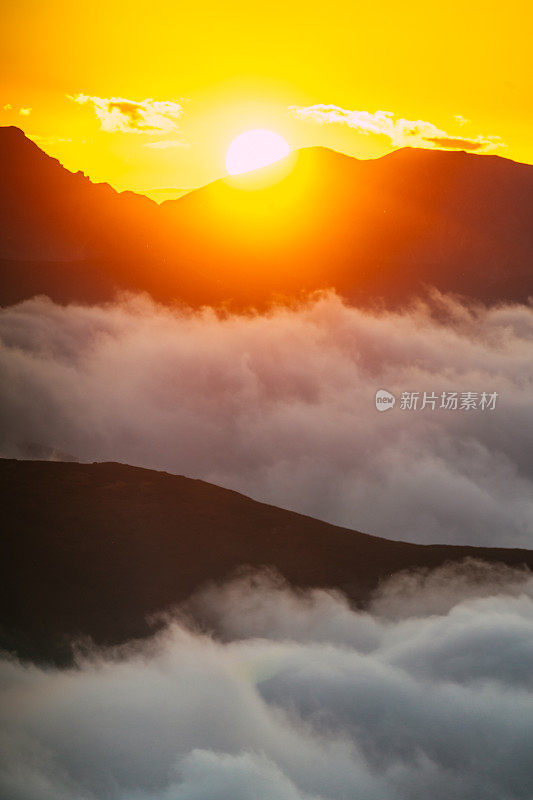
<point x="93" y="549"/>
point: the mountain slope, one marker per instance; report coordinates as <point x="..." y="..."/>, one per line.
<point x="50" y="214"/>
<point x="91" y="549"/>
<point x="384" y="228"/>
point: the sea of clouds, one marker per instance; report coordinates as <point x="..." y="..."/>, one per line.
<point x="281" y="406"/>
<point x="294" y="696"/>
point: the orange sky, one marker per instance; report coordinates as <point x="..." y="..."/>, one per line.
<point x="150" y="95"/>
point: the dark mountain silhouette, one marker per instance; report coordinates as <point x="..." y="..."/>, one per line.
<point x="385" y="228"/>
<point x="51" y="214"/>
<point x="91" y="549"/>
<point x="379" y="228"/>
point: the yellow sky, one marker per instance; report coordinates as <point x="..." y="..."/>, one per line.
<point x="459" y="69"/>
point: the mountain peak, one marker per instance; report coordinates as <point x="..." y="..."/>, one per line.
<point x="11" y="130"/>
<point x="11" y="136"/>
<point x="50" y="214"/>
<point x="18" y="151"/>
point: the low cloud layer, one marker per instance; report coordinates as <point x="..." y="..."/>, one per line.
<point x="301" y="698"/>
<point x="281" y="406"/>
<point x="129" y="116"/>
<point x="400" y="132"/>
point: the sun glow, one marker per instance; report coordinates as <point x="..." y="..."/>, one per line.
<point x="254" y="149"/>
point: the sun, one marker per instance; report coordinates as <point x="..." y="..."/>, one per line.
<point x="254" y="149"/>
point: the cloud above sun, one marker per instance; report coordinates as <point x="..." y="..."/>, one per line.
<point x="401" y="132"/>
<point x="117" y="114"/>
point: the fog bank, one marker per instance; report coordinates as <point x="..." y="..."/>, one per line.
<point x="281" y="406"/>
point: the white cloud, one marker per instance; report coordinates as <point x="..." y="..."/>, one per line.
<point x="23" y="111"/>
<point x="280" y="406"/>
<point x="147" y="116"/>
<point x="299" y="698"/>
<point x="400" y="132"/>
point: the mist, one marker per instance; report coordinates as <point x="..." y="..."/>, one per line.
<point x="281" y="406"/>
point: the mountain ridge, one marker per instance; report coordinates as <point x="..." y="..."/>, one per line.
<point x="377" y="229"/>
